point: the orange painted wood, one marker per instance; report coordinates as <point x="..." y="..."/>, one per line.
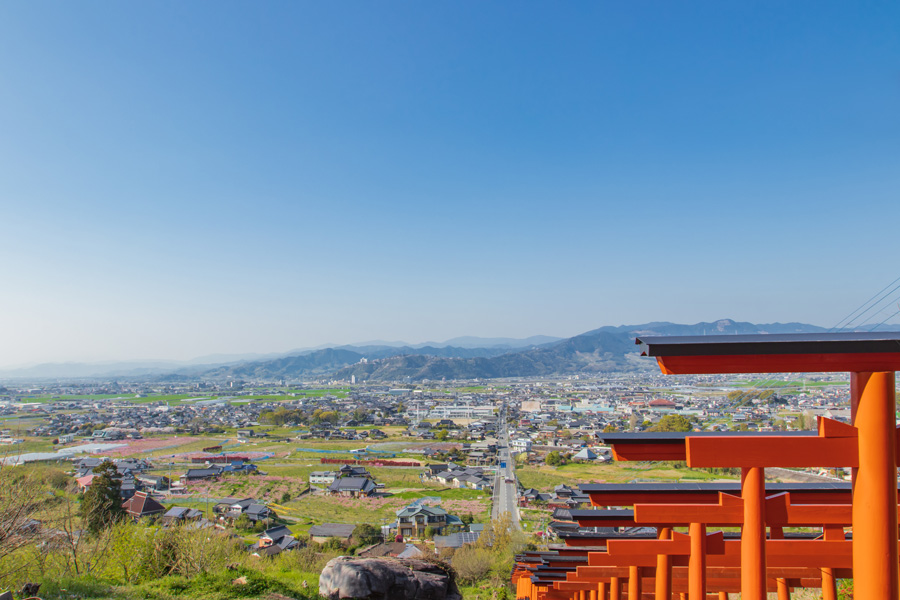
<point x="605" y="522"/>
<point x="605" y="573"/>
<point x="729" y="511"/>
<point x="875" y="552"/>
<point x="680" y="544"/>
<point x="780" y="511"/>
<point x="648" y="451"/>
<point x="836" y="554"/>
<point x="771" y="451"/>
<point x="779" y="363"/>
<point x="630" y="498"/>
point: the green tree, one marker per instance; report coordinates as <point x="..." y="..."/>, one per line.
<point x="673" y="423"/>
<point x="556" y="459"/>
<point x="366" y="534"/>
<point x="101" y="505"/>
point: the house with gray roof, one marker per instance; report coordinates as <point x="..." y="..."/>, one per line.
<point x="354" y="487"/>
<point x="322" y="533"/>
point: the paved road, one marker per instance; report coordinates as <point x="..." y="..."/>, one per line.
<point x="505" y="494"/>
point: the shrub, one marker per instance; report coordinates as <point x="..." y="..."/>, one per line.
<point x="472" y="563"/>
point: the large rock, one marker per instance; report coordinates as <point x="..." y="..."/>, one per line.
<point x="386" y="579"/>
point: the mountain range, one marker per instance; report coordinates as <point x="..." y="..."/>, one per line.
<point x="606" y="349"/>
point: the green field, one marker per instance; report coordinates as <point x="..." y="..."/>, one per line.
<point x="545" y="477"/>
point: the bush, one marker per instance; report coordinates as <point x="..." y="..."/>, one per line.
<point x="366" y="534"/>
<point x="472" y="563"/>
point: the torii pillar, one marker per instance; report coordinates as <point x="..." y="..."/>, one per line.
<point x="871" y="359"/>
<point x="875" y="562"/>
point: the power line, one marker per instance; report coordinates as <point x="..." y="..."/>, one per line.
<point x="871" y="302"/>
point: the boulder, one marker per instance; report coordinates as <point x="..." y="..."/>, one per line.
<point x="387" y="579"/>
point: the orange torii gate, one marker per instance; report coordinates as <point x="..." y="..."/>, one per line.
<point x="630" y="494"/>
<point x="869" y="446"/>
<point x="780" y="513"/>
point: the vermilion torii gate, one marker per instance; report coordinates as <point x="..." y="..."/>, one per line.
<point x="871" y="359"/>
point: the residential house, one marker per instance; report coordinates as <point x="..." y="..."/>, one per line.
<point x="412" y="521"/>
<point x="322" y="533"/>
<point x="323" y="477"/>
<point x="355" y="487"/>
<point x="274" y="541"/>
<point x="142" y="505"/>
<point x="198" y="474"/>
<point x="454" y="540"/>
<point x="178" y="515"/>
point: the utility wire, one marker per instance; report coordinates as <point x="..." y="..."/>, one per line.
<point x="871" y="303"/>
<point x="845" y="323"/>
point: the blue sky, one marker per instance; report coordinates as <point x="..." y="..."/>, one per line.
<point x="181" y="179"/>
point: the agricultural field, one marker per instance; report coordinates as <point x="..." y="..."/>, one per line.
<point x="544" y="477"/>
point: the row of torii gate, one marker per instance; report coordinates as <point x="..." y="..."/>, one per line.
<point x="851" y="528"/>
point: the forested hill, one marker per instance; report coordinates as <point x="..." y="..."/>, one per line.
<point x="601" y="350"/>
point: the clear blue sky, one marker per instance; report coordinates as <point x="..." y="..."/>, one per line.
<point x="178" y="179"/>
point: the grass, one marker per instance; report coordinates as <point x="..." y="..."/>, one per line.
<point x="544" y="477"/>
<point x="206" y="586"/>
<point x="315" y="510"/>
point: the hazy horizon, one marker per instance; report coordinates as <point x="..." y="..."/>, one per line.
<point x="181" y="181"/>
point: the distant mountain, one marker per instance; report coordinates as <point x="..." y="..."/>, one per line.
<point x="74" y="370"/>
<point x="329" y="360"/>
<point x="596" y="352"/>
<point x="220" y="363"/>
<point x="609" y="348"/>
<point x="600" y="350"/>
<point x="721" y="327"/>
<point x="478" y="342"/>
<point x="320" y="362"/>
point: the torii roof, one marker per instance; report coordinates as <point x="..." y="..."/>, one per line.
<point x="774" y="353"/>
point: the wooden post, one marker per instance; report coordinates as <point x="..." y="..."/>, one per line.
<point x="697" y="562"/>
<point x="829" y="585"/>
<point x="753" y="534"/>
<point x="664" y="569"/>
<point x="781" y="586"/>
<point x="614" y="591"/>
<point x="634" y="583"/>
<point x="875" y="552"/>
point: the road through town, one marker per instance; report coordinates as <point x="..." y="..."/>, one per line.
<point x="505" y="491"/>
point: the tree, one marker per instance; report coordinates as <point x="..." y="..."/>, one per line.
<point x="609" y="428"/>
<point x="673" y="423"/>
<point x="429" y="532"/>
<point x="633" y="421"/>
<point x="366" y="534"/>
<point x="21" y="497"/>
<point x="102" y="502"/>
<point x="472" y="563"/>
<point x="556" y="459"/>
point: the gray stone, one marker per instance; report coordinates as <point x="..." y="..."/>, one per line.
<point x="6" y="596"/>
<point x="386" y="579"/>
